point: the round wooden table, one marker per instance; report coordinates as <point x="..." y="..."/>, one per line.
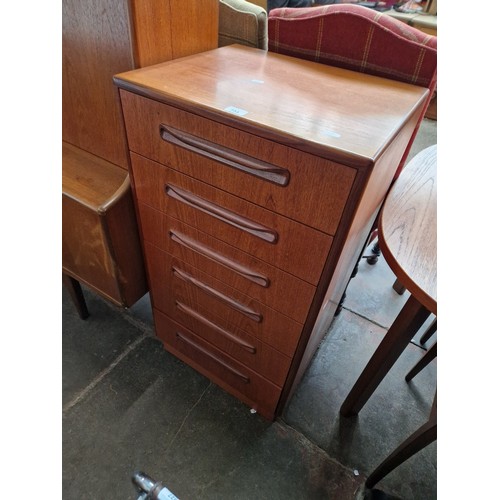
<point x="407" y="236"/>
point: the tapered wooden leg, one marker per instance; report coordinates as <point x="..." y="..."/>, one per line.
<point x="76" y="294"/>
<point x="429" y="332"/>
<point x="424" y="361"/>
<point x="405" y="326"/>
<point x="422" y="437"/>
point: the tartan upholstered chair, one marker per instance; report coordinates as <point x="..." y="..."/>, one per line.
<point x="360" y="39"/>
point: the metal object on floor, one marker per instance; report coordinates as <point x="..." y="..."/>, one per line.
<point x="373" y="258"/>
<point x="149" y="489"/>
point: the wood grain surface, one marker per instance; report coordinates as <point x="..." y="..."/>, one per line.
<point x="408" y="228"/>
<point x="350" y="116"/>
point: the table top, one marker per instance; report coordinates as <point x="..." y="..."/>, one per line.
<point x="347" y="116"/>
<point x="407" y="228"/>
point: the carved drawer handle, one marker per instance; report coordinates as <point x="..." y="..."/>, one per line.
<point x="222" y="214"/>
<point x="257" y="317"/>
<point x="233" y="338"/>
<point x="226" y="156"/>
<point x="196" y="246"/>
<point x="213" y="357"/>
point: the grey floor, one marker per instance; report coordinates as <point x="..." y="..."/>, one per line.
<point x="129" y="405"/>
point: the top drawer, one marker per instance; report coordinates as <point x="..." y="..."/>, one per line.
<point x="299" y="185"/>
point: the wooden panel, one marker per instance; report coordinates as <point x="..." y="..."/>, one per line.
<point x="268" y="284"/>
<point x="125" y="246"/>
<point x="261" y="322"/>
<point x="95" y="46"/>
<point x="231" y="375"/>
<point x="85" y="253"/>
<point x="276" y="239"/>
<point x="164" y="29"/>
<point x="320" y="208"/>
<point x="196" y="26"/>
<point x="151" y="22"/>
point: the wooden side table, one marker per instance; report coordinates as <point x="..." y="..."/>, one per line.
<point x="407" y="237"/>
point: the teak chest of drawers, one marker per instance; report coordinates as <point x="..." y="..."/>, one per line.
<point x="257" y="180"/>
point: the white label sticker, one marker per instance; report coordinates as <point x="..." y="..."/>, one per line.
<point x="236" y="111"/>
<point x="330" y="133"/>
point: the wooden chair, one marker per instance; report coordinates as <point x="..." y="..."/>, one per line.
<point x="360" y="39"/>
<point x="431" y="330"/>
<point x="422" y="437"/>
<point x="242" y="22"/>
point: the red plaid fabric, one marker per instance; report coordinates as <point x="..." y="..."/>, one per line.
<point x="360" y="39"/>
<point x="355" y="38"/>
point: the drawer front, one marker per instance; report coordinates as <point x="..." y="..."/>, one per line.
<point x="173" y="281"/>
<point x="245" y="348"/>
<point x="286" y="244"/>
<point x="225" y="371"/>
<point x="267" y="284"/>
<point x="299" y="185"/>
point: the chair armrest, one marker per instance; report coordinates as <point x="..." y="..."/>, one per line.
<point x="242" y="22"/>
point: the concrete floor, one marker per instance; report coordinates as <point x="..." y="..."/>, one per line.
<point x="129" y="405"/>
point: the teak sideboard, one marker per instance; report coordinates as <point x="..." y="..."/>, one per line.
<point x="100" y="239"/>
<point x="257" y="180"/>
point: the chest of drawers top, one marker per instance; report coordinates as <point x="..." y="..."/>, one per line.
<point x="342" y="115"/>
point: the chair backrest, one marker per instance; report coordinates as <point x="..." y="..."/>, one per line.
<point x="242" y="22"/>
<point x="360" y="39"/>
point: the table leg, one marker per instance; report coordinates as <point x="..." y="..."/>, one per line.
<point x="75" y="291"/>
<point x="405" y="326"/>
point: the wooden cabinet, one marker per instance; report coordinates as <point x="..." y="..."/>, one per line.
<point x="257" y="179"/>
<point x="101" y="245"/>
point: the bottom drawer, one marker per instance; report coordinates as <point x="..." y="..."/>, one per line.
<point x="235" y="378"/>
